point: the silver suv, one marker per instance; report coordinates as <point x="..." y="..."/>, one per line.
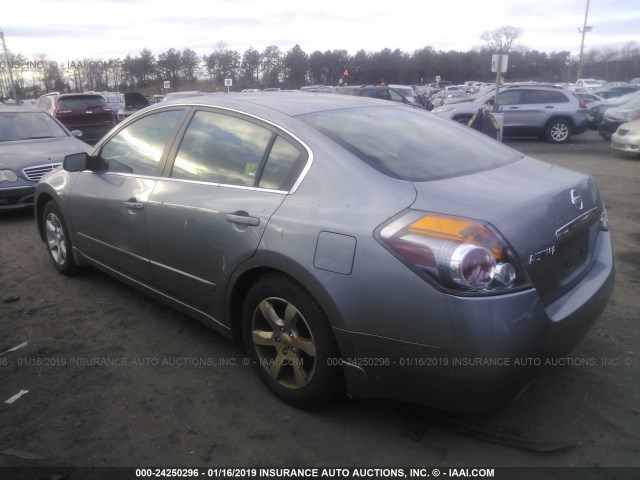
<point x="529" y="110"/>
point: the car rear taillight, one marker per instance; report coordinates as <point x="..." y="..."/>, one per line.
<point x="107" y="109"/>
<point x="459" y="254"/>
<point x="583" y="104"/>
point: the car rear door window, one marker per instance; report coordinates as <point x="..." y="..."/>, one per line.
<point x="138" y="148"/>
<point x="220" y="148"/>
<point x="284" y="165"/>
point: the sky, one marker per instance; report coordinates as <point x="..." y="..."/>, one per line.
<point x="74" y="30"/>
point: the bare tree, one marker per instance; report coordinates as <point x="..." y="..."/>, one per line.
<point x="501" y="39"/>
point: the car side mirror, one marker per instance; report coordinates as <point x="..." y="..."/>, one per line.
<point x="76" y="162"/>
<point x="76" y="133"/>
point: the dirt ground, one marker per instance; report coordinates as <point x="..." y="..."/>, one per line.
<point x="115" y="378"/>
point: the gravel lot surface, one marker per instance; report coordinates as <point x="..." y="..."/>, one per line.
<point x="115" y="378"/>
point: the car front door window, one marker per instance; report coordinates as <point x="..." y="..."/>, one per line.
<point x="138" y="148"/>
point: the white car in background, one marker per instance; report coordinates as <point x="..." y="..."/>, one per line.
<point x="626" y="138"/>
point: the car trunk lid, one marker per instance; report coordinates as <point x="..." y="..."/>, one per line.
<point x="549" y="215"/>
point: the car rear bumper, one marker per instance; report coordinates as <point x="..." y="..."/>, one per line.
<point x="502" y="344"/>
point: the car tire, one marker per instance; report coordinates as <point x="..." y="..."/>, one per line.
<point x="58" y="240"/>
<point x="290" y="344"/>
<point x="558" y="131"/>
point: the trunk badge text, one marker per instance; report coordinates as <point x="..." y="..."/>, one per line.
<point x="542" y="254"/>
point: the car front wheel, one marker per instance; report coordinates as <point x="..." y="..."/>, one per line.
<point x="58" y="240"/>
<point x="290" y="344"/>
<point x="558" y="131"/>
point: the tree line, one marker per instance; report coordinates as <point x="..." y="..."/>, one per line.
<point x="186" y="70"/>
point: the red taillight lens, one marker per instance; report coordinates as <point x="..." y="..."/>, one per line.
<point x="459" y="254"/>
<point x="583" y="104"/>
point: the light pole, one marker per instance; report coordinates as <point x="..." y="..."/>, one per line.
<point x="584" y="31"/>
<point x="6" y="57"/>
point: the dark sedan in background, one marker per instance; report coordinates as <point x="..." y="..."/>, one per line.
<point x="619" y="114"/>
<point x="596" y="110"/>
<point x="31" y="144"/>
<point x="352" y="244"/>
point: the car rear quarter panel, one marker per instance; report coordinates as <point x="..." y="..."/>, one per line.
<point x="342" y="200"/>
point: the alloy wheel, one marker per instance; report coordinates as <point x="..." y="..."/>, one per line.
<point x="56" y="238"/>
<point x="284" y="343"/>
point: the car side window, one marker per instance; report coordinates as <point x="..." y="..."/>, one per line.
<point x="284" y="165"/>
<point x="558" y="97"/>
<point x="395" y="96"/>
<point x="221" y="148"/>
<point x="381" y="93"/>
<point x="138" y="147"/>
<point x="508" y="98"/>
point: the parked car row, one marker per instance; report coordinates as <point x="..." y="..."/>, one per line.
<point x="125" y="104"/>
<point x="528" y="110"/>
<point x="396" y="93"/>
<point x="623" y="112"/>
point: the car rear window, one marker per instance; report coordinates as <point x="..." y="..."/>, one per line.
<point x="81" y="103"/>
<point x="410" y="144"/>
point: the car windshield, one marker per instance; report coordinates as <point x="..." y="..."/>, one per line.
<point x="28" y="126"/>
<point x="410" y="144"/>
<point x="406" y="92"/>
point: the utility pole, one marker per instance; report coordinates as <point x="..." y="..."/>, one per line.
<point x="6" y="57"/>
<point x="584" y="30"/>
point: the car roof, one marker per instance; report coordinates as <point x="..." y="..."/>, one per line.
<point x="81" y="95"/>
<point x="288" y="103"/>
<point x="21" y="109"/>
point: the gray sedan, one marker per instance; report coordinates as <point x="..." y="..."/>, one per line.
<point x="32" y="143"/>
<point x="353" y="245"/>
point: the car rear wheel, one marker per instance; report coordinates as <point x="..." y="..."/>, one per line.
<point x="290" y="344"/>
<point x="558" y="131"/>
<point x="58" y="240"/>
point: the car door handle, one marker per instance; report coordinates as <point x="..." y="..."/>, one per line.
<point x="133" y="205"/>
<point x="243" y="218"/>
<point x="513" y="108"/>
<point x="549" y="106"/>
